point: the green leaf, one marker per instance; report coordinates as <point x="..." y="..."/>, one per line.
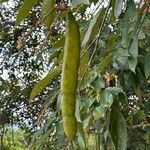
<point x="83" y="65"/>
<point x="131" y="9"/>
<point x="100" y="83"/>
<point x="118" y="8"/>
<point x="101" y="110"/>
<point x="105" y="62"/>
<point x="93" y="27"/>
<point x="105" y="103"/>
<point x="133" y="51"/>
<point x="121" y="63"/>
<point x="114" y="90"/>
<point x="75" y="3"/>
<point x="24" y="10"/>
<point x="87" y="120"/>
<point x="147" y="64"/>
<point x="77" y="111"/>
<point x="111" y="42"/>
<point x="118" y="129"/>
<point x="1" y="1"/>
<point x="108" y="99"/>
<point x="48" y="13"/>
<point x="125" y="38"/>
<point x="81" y="136"/>
<point x="59" y="43"/>
<point x="42" y="84"/>
<point x="54" y="55"/>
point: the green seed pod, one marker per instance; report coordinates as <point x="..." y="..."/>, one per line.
<point x="70" y="126"/>
<point x="69" y="77"/>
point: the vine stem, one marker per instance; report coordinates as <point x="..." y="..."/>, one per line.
<point x="97" y="40"/>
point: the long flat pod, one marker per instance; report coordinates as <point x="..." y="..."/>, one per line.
<point x="69" y="75"/>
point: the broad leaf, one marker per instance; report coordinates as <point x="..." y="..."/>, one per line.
<point x="131" y="9"/>
<point x="99" y="83"/>
<point x="48" y="13"/>
<point x="24" y="10"/>
<point x="114" y="90"/>
<point x="75" y="3"/>
<point x="147" y="64"/>
<point x="93" y="27"/>
<point x="42" y="84"/>
<point x="87" y="120"/>
<point x="118" y="129"/>
<point x="133" y="51"/>
<point x="105" y="103"/>
<point x="118" y="8"/>
<point x="108" y="99"/>
<point x="101" y="110"/>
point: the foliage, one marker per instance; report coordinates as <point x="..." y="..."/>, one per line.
<point x="112" y="98"/>
<point x="16" y="139"/>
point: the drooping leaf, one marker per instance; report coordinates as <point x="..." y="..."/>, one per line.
<point x="133" y="51"/>
<point x="147" y="64"/>
<point x="118" y="129"/>
<point x="81" y="136"/>
<point x="131" y="9"/>
<point x="77" y="111"/>
<point x="75" y="3"/>
<point x="105" y="62"/>
<point x="87" y="120"/>
<point x="118" y="8"/>
<point x="125" y="39"/>
<point x="108" y="99"/>
<point x="111" y="42"/>
<point x="42" y="84"/>
<point x="24" y="10"/>
<point x="83" y="65"/>
<point x="48" y="12"/>
<point x="93" y="27"/>
<point x="130" y="14"/>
